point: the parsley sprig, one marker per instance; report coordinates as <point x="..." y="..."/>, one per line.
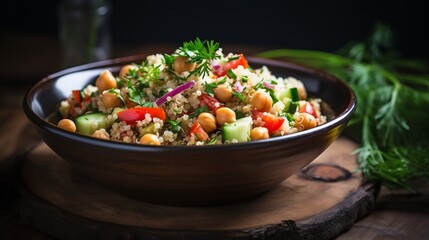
<point x="201" y="53"/>
<point x="392" y="105"/>
<point x="270" y="91"/>
<point x="199" y="110"/>
<point x="210" y="86"/>
<point x="149" y="73"/>
<point x="137" y="79"/>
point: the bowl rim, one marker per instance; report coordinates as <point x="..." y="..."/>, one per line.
<point x="345" y="115"/>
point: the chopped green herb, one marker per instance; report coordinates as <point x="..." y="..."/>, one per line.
<point x="174" y="126"/>
<point x="117" y="95"/>
<point x="259" y="85"/>
<point x="149" y="73"/>
<point x="290" y="117"/>
<point x="245" y="79"/>
<point x="133" y="73"/>
<point x="210" y="86"/>
<point x="147" y="104"/>
<point x="231" y="74"/>
<point x="223" y="80"/>
<point x="169" y="60"/>
<point x="239" y="96"/>
<point x="272" y="94"/>
<point x="239" y="115"/>
<point x="161" y="93"/>
<point x="270" y="91"/>
<point x="233" y="58"/>
<point x="135" y="95"/>
<point x="119" y="82"/>
<point x="212" y="141"/>
<point x="199" y="110"/>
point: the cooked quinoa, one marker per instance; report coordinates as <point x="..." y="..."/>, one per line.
<point x="196" y="96"/>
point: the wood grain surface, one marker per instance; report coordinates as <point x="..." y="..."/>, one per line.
<point x="73" y="207"/>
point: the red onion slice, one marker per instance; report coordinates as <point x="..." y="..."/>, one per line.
<point x="238" y="87"/>
<point x="216" y="65"/>
<point x="174" y="92"/>
<point x="268" y="85"/>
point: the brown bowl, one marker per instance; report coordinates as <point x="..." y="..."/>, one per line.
<point x="183" y="175"/>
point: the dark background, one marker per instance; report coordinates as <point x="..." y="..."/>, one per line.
<point x="29" y="29"/>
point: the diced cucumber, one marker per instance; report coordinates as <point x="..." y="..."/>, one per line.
<point x="89" y="123"/>
<point x="290" y="107"/>
<point x="238" y="130"/>
<point x="294" y="94"/>
<point x="283" y="94"/>
<point x="293" y="106"/>
<point x="148" y="129"/>
<point x="287" y="103"/>
<point x="291" y="93"/>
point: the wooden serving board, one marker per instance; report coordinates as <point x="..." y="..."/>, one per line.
<point x="299" y="208"/>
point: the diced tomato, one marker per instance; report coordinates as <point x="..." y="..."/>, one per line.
<point x="271" y="121"/>
<point x="198" y="131"/>
<point x="240" y="61"/>
<point x="212" y="103"/>
<point x="131" y="116"/>
<point x="308" y="108"/>
<point x="86" y="98"/>
<point x="76" y="95"/>
<point x="231" y="65"/>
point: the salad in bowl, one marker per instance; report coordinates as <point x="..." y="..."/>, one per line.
<point x="196" y="96"/>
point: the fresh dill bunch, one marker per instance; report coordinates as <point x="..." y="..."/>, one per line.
<point x="201" y="53"/>
<point x="392" y="105"/>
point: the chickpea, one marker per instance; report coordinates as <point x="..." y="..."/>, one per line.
<point x="207" y="121"/>
<point x="180" y="65"/>
<point x="105" y="81"/>
<point x="110" y="100"/>
<point x="302" y="93"/>
<point x="102" y="134"/>
<point x="150" y="139"/>
<point x="126" y="69"/>
<point x="259" y="133"/>
<point x="223" y="93"/>
<point x="67" y="124"/>
<point x="225" y="115"/>
<point x="262" y="101"/>
<point x="305" y="121"/>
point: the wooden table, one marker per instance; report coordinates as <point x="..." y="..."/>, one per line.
<point x="397" y="215"/>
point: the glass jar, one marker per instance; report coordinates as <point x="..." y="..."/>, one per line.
<point x="84" y="31"/>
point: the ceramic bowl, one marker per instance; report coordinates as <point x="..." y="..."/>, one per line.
<point x="184" y="175"/>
